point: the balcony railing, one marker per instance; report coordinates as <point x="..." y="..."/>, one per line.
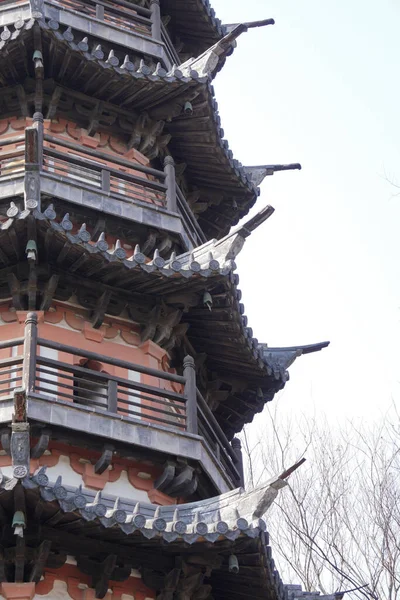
<point x="128" y="25"/>
<point x="124" y="15"/>
<point x="125" y="18"/>
<point x="55" y="372"/>
<point x="110" y="175"/>
<point x="125" y="186"/>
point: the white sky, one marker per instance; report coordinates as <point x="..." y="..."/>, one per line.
<point x="320" y="87"/>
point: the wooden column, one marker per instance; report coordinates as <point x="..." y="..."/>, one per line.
<point x="30" y="349"/>
<point x="189" y="373"/>
<point x="155" y="20"/>
<point x="237" y="448"/>
<point x="170" y="182"/>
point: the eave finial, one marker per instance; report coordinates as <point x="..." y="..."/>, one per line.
<point x="259" y="172"/>
<point x="207" y="63"/>
<point x="249" y="25"/>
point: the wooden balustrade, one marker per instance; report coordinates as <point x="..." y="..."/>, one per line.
<point x="112" y="175"/>
<point x="211" y="431"/>
<point x="126" y="186"/>
<point x="11" y="367"/>
<point x="87" y="378"/>
<point x="124" y="15"/>
<point x="127" y="16"/>
<point x="113" y="386"/>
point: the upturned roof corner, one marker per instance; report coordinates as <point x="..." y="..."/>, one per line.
<point x="210" y="61"/>
<point x="259" y="173"/>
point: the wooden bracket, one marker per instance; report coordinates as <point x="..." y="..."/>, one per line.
<point x="105" y="459"/>
<point x="101" y="308"/>
<point x="41" y="557"/>
<point x="166" y="477"/>
<point x="42" y="444"/>
<point x="49" y="292"/>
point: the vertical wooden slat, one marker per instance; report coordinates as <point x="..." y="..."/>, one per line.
<point x="105" y="181"/>
<point x="112" y="401"/>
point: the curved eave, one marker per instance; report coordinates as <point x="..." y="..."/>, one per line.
<point x="154" y="536"/>
<point x="280" y="359"/>
<point x="241" y="408"/>
<point x="227" y="516"/>
<point x="199" y="141"/>
<point x="222" y="333"/>
<point x="194" y="22"/>
<point x="122" y="76"/>
<point x="212" y="259"/>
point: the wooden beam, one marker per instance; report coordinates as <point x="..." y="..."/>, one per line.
<point x="104" y="575"/>
<point x="55" y="98"/>
<point x="105" y="459"/>
<point x="101" y="308"/>
<point x="19" y="560"/>
<point x="14" y="242"/>
<point x="42" y="444"/>
<point x="15" y="289"/>
<point x="32" y="286"/>
<point x="40" y="561"/>
<point x="49" y="292"/>
<point x="63" y="252"/>
<point x="3" y="576"/>
<point x="166" y="477"/>
<point x="22" y="100"/>
<point x="78" y="263"/>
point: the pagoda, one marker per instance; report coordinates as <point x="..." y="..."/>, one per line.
<point x="127" y="365"/>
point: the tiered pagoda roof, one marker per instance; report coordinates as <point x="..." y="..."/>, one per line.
<point x="118" y="194"/>
<point x="220" y="189"/>
<point x="219" y="332"/>
<point x="151" y="538"/>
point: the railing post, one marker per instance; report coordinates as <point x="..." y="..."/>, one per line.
<point x="99" y="11"/>
<point x="237" y="448"/>
<point x="170" y="182"/>
<point x="189" y="373"/>
<point x="112" y="400"/>
<point x="105" y="181"/>
<point x="38" y="125"/>
<point x="30" y="350"/>
<point x="155" y="20"/>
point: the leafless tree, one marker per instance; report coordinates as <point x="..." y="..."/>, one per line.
<point x="337" y="525"/>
